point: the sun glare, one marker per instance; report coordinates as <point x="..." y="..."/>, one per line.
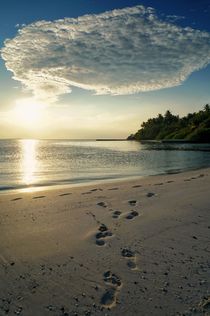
<point x="29" y="161"/>
<point x="28" y="113"/>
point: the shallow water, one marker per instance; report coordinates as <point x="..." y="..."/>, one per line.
<point x="32" y="163"/>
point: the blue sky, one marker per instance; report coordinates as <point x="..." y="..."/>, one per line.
<point x="87" y="112"/>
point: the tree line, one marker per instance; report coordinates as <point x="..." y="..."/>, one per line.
<point x="193" y="127"/>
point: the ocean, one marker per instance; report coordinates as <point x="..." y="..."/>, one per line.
<point x="34" y="163"/>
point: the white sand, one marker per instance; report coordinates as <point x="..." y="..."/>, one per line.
<point x="156" y="263"/>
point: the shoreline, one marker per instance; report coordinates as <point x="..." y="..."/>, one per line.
<point x="38" y="188"/>
<point x="133" y="247"/>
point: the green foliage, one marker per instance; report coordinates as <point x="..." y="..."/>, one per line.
<point x="193" y="127"/>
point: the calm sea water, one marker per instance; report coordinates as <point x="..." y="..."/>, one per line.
<point x="33" y="163"/>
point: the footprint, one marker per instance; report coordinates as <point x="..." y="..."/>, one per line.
<point x="86" y="192"/>
<point x="116" y="214"/>
<point x="131" y="264"/>
<point x="186" y="180"/>
<point x="132" y="202"/>
<point x="150" y="194"/>
<point x="100" y="242"/>
<point x="103" y="204"/>
<point x="16" y="199"/>
<point x="102" y="234"/>
<point x="112" y="279"/>
<point x="132" y="214"/>
<point x="103" y="228"/>
<point x="112" y="189"/>
<point x="137" y="186"/>
<point x="94" y="190"/>
<point x="170" y="181"/>
<point x="130" y="256"/>
<point x="160" y="183"/>
<point x="63" y="194"/>
<point x="109" y="298"/>
<point x="39" y="197"/>
<point x="127" y="253"/>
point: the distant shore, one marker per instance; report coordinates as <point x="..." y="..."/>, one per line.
<point x="193" y="127"/>
<point x="169" y="141"/>
<point x="111" y="139"/>
<point x="134" y="247"/>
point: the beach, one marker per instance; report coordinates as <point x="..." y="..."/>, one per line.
<point x="133" y="247"/>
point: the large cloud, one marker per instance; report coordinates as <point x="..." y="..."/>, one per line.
<point x="117" y="52"/>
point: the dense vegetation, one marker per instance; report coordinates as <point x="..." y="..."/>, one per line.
<point x="193" y="127"/>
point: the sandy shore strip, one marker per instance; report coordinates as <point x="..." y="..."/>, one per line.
<point x="136" y="247"/>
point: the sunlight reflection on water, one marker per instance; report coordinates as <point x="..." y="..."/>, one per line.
<point x="28" y="163"/>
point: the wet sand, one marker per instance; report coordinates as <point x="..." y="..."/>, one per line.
<point x="134" y="247"/>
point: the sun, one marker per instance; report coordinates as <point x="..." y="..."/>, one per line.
<point x="27" y="112"/>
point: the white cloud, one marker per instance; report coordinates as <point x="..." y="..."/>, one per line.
<point x="118" y="52"/>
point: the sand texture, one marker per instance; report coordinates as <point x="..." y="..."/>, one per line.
<point x="134" y="247"/>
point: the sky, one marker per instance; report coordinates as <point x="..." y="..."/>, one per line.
<point x="99" y="68"/>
